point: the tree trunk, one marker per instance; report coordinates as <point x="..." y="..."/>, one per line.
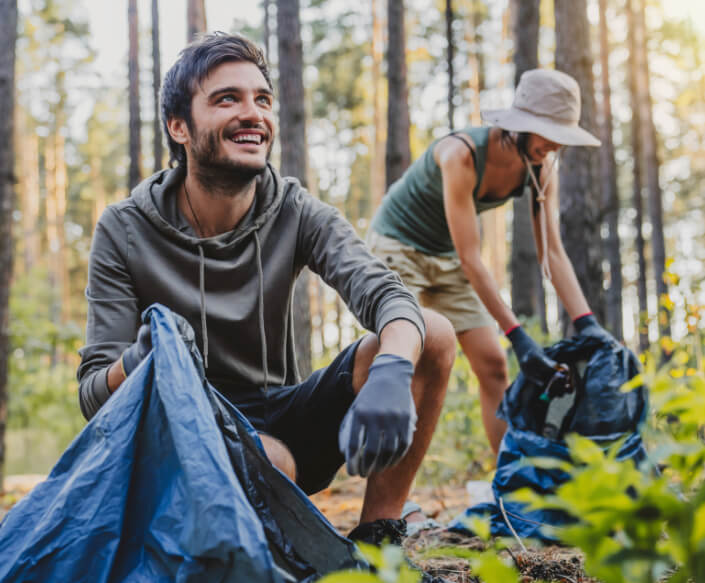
<point x="610" y="200"/>
<point x="528" y="298"/>
<point x="398" y="155"/>
<point x="637" y="202"/>
<point x="195" y="18"/>
<point x="8" y="36"/>
<point x="156" y="82"/>
<point x="377" y="169"/>
<point x="292" y="122"/>
<point x="651" y="161"/>
<point x="266" y="33"/>
<point x="579" y="200"/>
<point x="135" y="172"/>
<point x="451" y="51"/>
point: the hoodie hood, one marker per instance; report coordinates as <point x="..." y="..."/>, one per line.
<point x="156" y="197"/>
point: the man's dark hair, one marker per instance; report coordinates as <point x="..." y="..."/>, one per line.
<point x="194" y="64"/>
<point x="521" y="142"/>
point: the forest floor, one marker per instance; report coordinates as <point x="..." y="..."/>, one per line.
<point x="341" y="504"/>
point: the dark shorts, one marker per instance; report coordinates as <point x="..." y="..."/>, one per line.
<point x="306" y="417"/>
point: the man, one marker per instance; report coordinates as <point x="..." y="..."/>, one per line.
<point x="220" y="239"/>
<point x="426" y="228"/>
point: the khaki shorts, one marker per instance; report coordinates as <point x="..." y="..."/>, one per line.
<point x="437" y="282"/>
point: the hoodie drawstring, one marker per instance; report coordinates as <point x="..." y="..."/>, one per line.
<point x="202" y="288"/>
<point x="260" y="302"/>
<point x="541" y="199"/>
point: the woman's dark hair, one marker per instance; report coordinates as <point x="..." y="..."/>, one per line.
<point x="521" y="141"/>
<point x="194" y="64"/>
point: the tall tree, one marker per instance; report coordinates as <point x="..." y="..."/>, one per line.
<point x="266" y="33"/>
<point x="195" y="18"/>
<point x="158" y="144"/>
<point x="133" y="74"/>
<point x="450" y="56"/>
<point x="652" y="164"/>
<point x="579" y="200"/>
<point x="398" y="155"/>
<point x="8" y="37"/>
<point x="377" y="165"/>
<point x="292" y="137"/>
<point x="610" y="194"/>
<point x="527" y="291"/>
<point x="637" y="180"/>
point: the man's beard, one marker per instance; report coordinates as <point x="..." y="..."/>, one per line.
<point x="219" y="172"/>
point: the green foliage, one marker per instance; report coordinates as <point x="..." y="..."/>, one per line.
<point x="389" y="563"/>
<point x="42" y="381"/>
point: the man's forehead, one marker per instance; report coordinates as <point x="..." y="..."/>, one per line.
<point x="236" y="74"/>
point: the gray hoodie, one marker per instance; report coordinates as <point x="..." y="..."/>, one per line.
<point x="235" y="289"/>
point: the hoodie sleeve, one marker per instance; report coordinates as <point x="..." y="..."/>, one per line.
<point x="113" y="312"/>
<point x="330" y="247"/>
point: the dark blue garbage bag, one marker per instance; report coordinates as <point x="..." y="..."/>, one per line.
<point x="168" y="482"/>
<point x="536" y="425"/>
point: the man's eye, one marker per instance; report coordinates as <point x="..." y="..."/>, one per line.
<point x="227" y="99"/>
<point x="264" y="99"/>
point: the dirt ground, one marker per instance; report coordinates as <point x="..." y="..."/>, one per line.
<point x="341" y="504"/>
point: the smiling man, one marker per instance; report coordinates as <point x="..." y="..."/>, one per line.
<point x="220" y="238"/>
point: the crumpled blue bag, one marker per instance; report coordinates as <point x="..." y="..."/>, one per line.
<point x="168" y="482"/>
<point x="597" y="409"/>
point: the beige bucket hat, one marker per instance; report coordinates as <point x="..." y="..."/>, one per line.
<point x="546" y="103"/>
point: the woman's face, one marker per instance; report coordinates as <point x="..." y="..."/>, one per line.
<point x="539" y="147"/>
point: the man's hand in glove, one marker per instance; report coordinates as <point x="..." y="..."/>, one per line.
<point x="586" y="325"/>
<point x="135" y="353"/>
<point x="379" y="426"/>
<point x="535" y="365"/>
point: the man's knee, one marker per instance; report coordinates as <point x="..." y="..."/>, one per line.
<point x="492" y="366"/>
<point x="440" y="344"/>
<point x="280" y="455"/>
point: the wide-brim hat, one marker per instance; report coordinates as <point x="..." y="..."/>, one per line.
<point x="546" y="103"/>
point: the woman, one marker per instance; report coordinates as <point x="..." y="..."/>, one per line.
<point x="426" y="228"/>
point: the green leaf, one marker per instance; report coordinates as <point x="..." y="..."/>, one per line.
<point x="350" y="577"/>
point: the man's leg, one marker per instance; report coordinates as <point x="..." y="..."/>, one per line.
<point x="489" y="363"/>
<point x="388" y="490"/>
<point x="279" y="454"/>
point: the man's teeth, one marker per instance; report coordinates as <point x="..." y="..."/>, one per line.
<point x="251" y="138"/>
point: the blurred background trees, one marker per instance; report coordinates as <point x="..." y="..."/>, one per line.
<point x="375" y="80"/>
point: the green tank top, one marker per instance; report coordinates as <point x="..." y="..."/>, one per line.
<point x="413" y="211"/>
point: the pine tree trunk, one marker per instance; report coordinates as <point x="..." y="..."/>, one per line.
<point x="651" y="161"/>
<point x="398" y="155"/>
<point x="292" y="122"/>
<point x="195" y="18"/>
<point x="451" y="55"/>
<point x="158" y="144"/>
<point x="610" y="204"/>
<point x="528" y="298"/>
<point x="377" y="169"/>
<point x="8" y="36"/>
<point x="637" y="182"/>
<point x="579" y="197"/>
<point x="135" y="172"/>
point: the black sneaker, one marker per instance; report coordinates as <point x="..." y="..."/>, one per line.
<point x="390" y="531"/>
<point x="379" y="531"/>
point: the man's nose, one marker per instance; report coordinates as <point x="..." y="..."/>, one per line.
<point x="249" y="110"/>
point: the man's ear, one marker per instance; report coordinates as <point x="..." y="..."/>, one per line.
<point x="178" y="130"/>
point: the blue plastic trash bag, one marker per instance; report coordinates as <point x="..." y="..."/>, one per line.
<point x="168" y="482"/>
<point x="595" y="408"/>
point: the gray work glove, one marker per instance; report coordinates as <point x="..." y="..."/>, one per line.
<point x="136" y="352"/>
<point x="378" y="429"/>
